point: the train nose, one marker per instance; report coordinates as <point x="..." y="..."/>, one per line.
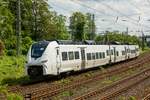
<point x="35" y="71"/>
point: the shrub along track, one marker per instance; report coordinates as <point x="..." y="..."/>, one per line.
<point x="42" y="90"/>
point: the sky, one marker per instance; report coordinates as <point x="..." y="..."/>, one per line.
<point x="110" y="15"/>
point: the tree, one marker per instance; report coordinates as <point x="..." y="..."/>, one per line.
<point x="120" y="37"/>
<point x="90" y="26"/>
<point x="6" y="24"/>
<point x="77" y="26"/>
<point x="38" y="23"/>
<point x="82" y="26"/>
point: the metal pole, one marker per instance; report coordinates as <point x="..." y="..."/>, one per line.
<point x="18" y="29"/>
<point x="35" y="19"/>
<point x="143" y="37"/>
<point x="93" y="30"/>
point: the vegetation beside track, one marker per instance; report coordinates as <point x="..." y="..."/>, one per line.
<point x="11" y="73"/>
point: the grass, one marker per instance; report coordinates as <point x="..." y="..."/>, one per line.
<point x="146" y="49"/>
<point x="11" y="73"/>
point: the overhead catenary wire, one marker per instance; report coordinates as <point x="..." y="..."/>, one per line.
<point x="111" y="8"/>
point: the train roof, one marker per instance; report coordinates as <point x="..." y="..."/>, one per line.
<point x="89" y="42"/>
<point x="85" y="42"/>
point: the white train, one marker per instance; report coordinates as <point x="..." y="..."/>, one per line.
<point x="55" y="57"/>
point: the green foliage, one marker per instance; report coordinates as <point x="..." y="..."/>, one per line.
<point x="90" y="27"/>
<point x="132" y="98"/>
<point x="11" y="68"/>
<point x="77" y="23"/>
<point x="120" y="37"/>
<point x="82" y="26"/>
<point x="38" y="25"/>
<point x="27" y="41"/>
<point x="11" y="72"/>
<point x="13" y="96"/>
<point x="6" y="21"/>
<point x="67" y="93"/>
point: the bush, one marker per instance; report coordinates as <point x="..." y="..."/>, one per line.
<point x="26" y="42"/>
<point x="1" y="48"/>
<point x="11" y="52"/>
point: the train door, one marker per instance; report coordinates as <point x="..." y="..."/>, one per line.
<point x="135" y="51"/>
<point x="126" y="54"/>
<point x="58" y="60"/>
<point x="114" y="49"/>
<point x="83" y="61"/>
<point x="110" y="59"/>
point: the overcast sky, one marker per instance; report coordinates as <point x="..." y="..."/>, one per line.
<point x="110" y="14"/>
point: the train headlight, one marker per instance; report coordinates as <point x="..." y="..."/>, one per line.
<point x="44" y="61"/>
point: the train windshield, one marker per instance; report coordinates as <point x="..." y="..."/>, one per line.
<point x="38" y="49"/>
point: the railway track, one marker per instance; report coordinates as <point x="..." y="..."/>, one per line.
<point x="146" y="97"/>
<point x="51" y="91"/>
<point x="111" y="91"/>
<point x="54" y="89"/>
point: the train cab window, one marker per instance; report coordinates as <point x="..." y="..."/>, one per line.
<point x="93" y="56"/>
<point x="89" y="56"/>
<point x="71" y="55"/>
<point x="97" y="55"/>
<point x="76" y="55"/>
<point x="64" y="56"/>
<point x="38" y="49"/>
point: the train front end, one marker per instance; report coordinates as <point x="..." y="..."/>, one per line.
<point x="37" y="59"/>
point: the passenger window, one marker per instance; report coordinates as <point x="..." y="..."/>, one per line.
<point x="93" y="56"/>
<point x="97" y="56"/>
<point x="112" y="52"/>
<point x="107" y="52"/>
<point x="100" y="55"/>
<point x="76" y="55"/>
<point x="117" y="53"/>
<point x="64" y="56"/>
<point x="103" y="54"/>
<point x="71" y="55"/>
<point x="89" y="56"/>
<point x="123" y="52"/>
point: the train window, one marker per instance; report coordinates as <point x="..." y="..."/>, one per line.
<point x="97" y="55"/>
<point x="123" y="52"/>
<point x="93" y="56"/>
<point x="76" y="55"/>
<point x="64" y="56"/>
<point x="100" y="55"/>
<point x="108" y="53"/>
<point x="117" y="53"/>
<point x="128" y="50"/>
<point x="38" y="49"/>
<point x="112" y="52"/>
<point x="89" y="56"/>
<point x="103" y="54"/>
<point x="71" y="55"/>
